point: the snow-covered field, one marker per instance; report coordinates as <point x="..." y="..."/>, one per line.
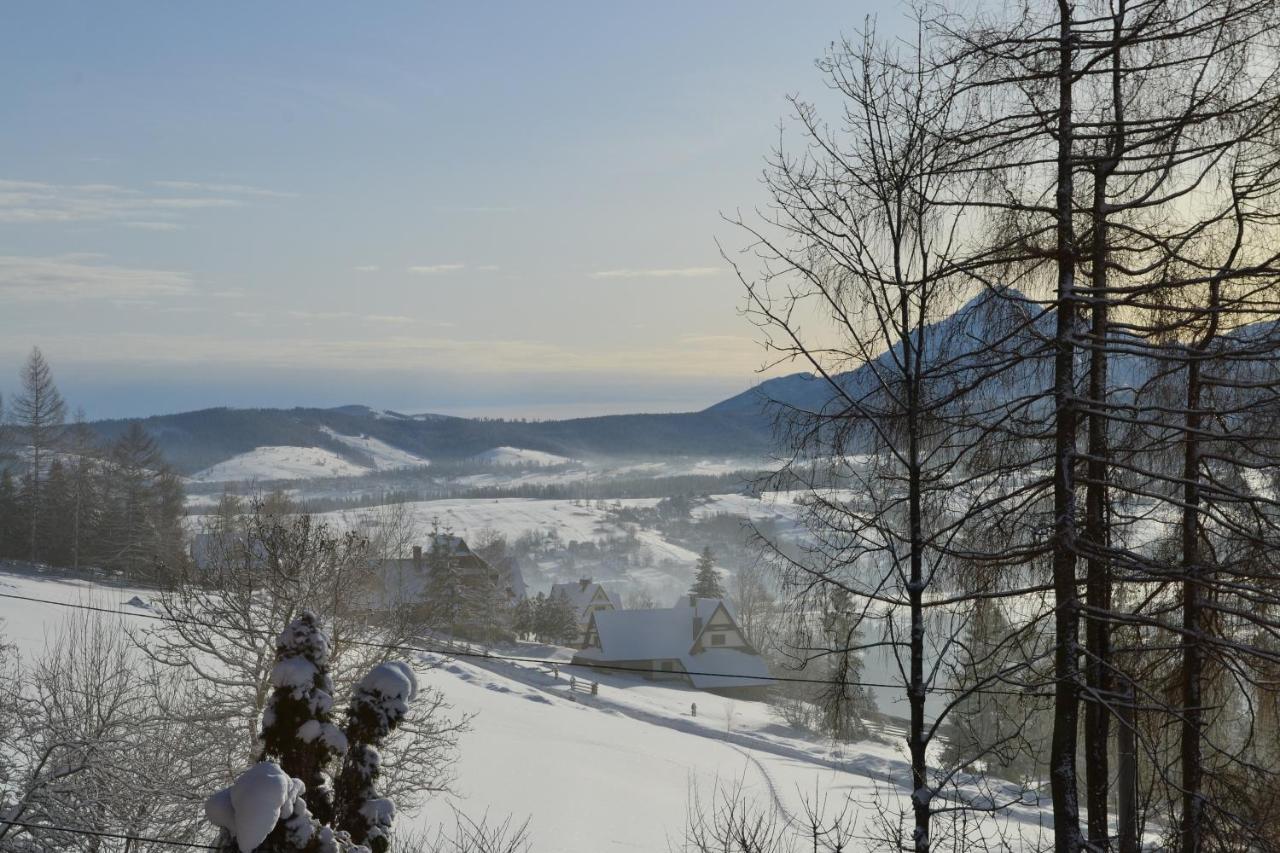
<point x="280" y="463"/>
<point x="612" y="772"/>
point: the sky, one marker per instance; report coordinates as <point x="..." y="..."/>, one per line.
<point x="503" y="208"/>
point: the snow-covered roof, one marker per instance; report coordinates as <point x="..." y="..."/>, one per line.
<point x="583" y="593"/>
<point x="658" y="634"/>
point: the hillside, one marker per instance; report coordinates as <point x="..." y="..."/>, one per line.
<point x="615" y="771"/>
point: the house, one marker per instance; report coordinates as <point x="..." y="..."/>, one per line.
<point x="404" y="580"/>
<point x="697" y="641"/>
<point x="587" y="598"/>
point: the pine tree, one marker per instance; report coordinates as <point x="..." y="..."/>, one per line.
<point x="297" y="732"/>
<point x="706" y="583"/>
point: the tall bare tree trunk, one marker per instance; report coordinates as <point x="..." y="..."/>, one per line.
<point x="1062" y="753"/>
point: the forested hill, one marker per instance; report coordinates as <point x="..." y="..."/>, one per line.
<point x="740" y="425"/>
<point x="192" y="441"/>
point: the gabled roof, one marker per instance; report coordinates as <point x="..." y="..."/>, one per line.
<point x="668" y="634"/>
<point x="582" y="594"/>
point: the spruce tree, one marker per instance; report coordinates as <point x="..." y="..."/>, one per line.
<point x="706" y="582"/>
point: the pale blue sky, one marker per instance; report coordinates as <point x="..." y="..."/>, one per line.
<point x="471" y="207"/>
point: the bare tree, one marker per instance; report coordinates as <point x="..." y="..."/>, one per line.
<point x="91" y="751"/>
<point x="872" y="235"/>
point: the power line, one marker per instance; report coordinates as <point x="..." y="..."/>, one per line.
<point x="486" y="655"/>
<point x="80" y="830"/>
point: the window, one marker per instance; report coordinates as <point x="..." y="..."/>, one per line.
<point x="717" y="639"/>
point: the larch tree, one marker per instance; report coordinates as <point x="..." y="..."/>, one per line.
<point x="39" y="414"/>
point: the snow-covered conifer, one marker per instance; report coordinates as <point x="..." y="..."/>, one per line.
<point x="296" y="727"/>
<point x="378" y="704"/>
<point x="706" y="582"/>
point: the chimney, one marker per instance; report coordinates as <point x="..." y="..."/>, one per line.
<point x="417" y="557"/>
<point x="583" y="584"/>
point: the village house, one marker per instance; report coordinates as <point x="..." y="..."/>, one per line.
<point x="587" y="597"/>
<point x="403" y="580"/>
<point x="697" y="641"/>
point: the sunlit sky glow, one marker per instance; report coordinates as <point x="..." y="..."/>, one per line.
<point x="474" y="208"/>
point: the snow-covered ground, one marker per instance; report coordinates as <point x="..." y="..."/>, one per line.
<point x="385" y="457"/>
<point x="519" y="456"/>
<point x="616" y="771"/>
<point x="283" y="462"/>
<point x="280" y="463"/>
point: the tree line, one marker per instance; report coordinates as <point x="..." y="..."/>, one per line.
<point x="69" y="500"/>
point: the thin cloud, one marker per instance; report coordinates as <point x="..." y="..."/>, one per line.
<point x="70" y="278"/>
<point x="394" y="319"/>
<point x="321" y="315"/>
<point x="156" y="208"/>
<point x="666" y="272"/>
<point x="368" y="268"/>
<point x="435" y="269"/>
<point x="228" y="189"/>
<point x="153" y="226"/>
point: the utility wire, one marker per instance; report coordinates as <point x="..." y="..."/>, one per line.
<point x="486" y="655"/>
<point x="80" y="830"/>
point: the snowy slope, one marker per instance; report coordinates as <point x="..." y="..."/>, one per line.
<point x="519" y="456"/>
<point x="617" y="771"/>
<point x="26" y="624"/>
<point x="280" y="463"/>
<point x="611" y="772"/>
<point x="385" y="457"/>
